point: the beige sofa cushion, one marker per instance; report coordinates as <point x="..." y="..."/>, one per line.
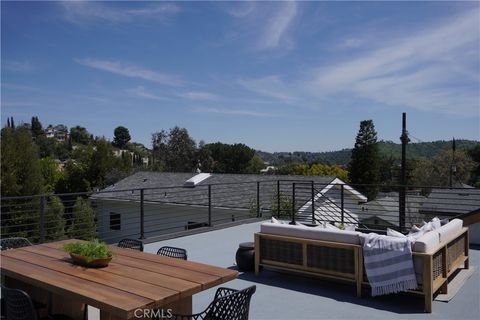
<point x="315" y="233"/>
<point x="449" y="230"/>
<point x="428" y="242"/>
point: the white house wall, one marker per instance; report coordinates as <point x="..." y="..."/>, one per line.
<point x="158" y="218"/>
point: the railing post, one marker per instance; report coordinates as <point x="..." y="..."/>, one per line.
<point x="42" y="219"/>
<point x="142" y="215"/>
<point x="293" y="204"/>
<point x="278" y="198"/>
<point x="313" y="202"/>
<point x="401" y="207"/>
<point x="259" y="214"/>
<point x="342" y="202"/>
<point x="209" y="205"/>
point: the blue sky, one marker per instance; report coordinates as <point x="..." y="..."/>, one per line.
<point x="277" y="76"/>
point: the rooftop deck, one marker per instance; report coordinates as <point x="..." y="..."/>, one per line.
<point x="284" y="296"/>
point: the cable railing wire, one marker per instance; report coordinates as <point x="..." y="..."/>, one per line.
<point x="118" y="212"/>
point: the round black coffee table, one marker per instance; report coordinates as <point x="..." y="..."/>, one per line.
<point x="245" y="256"/>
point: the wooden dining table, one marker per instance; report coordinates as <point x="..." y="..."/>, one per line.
<point x="133" y="283"/>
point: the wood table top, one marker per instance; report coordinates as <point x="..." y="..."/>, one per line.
<point x="132" y="280"/>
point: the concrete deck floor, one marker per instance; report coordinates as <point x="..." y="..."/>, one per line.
<point x="285" y="296"/>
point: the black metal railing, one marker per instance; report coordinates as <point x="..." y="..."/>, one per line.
<point x="148" y="212"/>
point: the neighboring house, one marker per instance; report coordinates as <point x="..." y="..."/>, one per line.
<point x="177" y="201"/>
<point x="59" y="132"/>
<point x="328" y="204"/>
<point x="121" y="152"/>
<point x="451" y="202"/>
<point x="447" y="203"/>
<point x="383" y="212"/>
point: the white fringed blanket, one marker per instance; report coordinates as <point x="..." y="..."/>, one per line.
<point x="388" y="264"/>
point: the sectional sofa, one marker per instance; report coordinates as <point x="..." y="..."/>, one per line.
<point x="338" y="254"/>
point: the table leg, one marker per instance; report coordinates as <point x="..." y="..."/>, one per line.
<point x="182" y="306"/>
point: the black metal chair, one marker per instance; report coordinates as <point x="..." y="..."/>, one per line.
<point x="13" y="243"/>
<point x="172" y="252"/>
<point x="19" y="306"/>
<point x="229" y="304"/>
<point x="131" y="244"/>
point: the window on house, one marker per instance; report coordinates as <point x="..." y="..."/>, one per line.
<point x="115" y="221"/>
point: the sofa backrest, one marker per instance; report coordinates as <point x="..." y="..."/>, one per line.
<point x="314" y="233"/>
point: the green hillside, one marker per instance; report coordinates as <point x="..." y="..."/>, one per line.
<point x="387" y="149"/>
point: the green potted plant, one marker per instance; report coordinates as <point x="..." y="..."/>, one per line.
<point x="91" y="254"/>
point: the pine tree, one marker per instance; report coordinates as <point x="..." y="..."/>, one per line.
<point x="54" y="220"/>
<point x="83" y="224"/>
<point x="364" y="167"/>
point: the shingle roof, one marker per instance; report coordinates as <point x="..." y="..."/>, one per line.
<point x="452" y="201"/>
<point x="227" y="190"/>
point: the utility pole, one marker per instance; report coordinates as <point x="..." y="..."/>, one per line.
<point x="403" y="176"/>
<point x="453" y="168"/>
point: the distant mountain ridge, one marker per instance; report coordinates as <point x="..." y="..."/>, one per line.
<point x="387" y="149"/>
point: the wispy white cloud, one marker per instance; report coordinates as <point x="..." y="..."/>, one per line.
<point x="433" y="70"/>
<point x="119" y="68"/>
<point x="275" y="32"/>
<point x="234" y="112"/>
<point x="141" y="92"/>
<point x="270" y="86"/>
<point x="240" y="9"/>
<point x="89" y="11"/>
<point x="17" y="66"/>
<point x="428" y="71"/>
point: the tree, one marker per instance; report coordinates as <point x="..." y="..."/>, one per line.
<point x="36" y="127"/>
<point x="54" y="220"/>
<point x="75" y="179"/>
<point x="83" y="223"/>
<point x="204" y="157"/>
<point x="121" y="137"/>
<point x="175" y="150"/>
<point x="101" y="162"/>
<point x="230" y="158"/>
<point x="364" y="165"/>
<point x="46" y="146"/>
<point x="436" y="172"/>
<point x="255" y="165"/>
<point x="20" y="166"/>
<point x="79" y="135"/>
<point x="20" y="176"/>
<point x="474" y="153"/>
<point x="316" y="169"/>
<point x="51" y="174"/>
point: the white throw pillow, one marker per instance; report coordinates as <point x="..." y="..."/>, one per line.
<point x="436" y="223"/>
<point x="350" y="227"/>
<point x="274" y="220"/>
<point x="395" y="233"/>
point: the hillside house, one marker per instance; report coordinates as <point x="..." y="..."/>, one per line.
<point x="59" y="132"/>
